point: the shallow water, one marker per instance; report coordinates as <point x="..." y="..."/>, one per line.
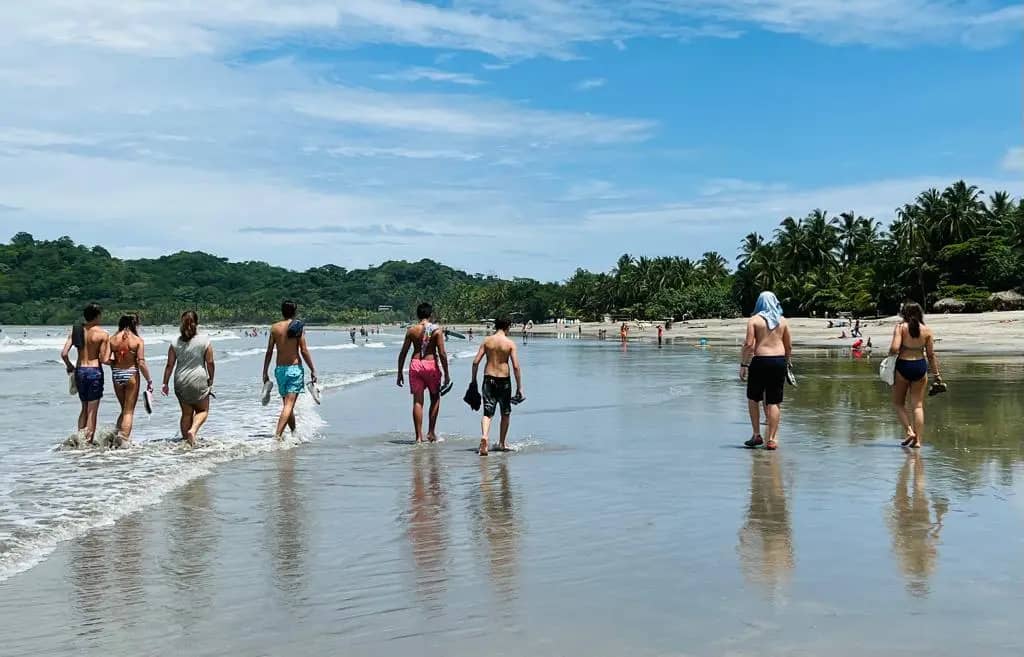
<point x="626" y="523"/>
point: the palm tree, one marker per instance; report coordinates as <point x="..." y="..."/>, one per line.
<point x="962" y="211"/>
<point x="713" y="267"/>
<point x="751" y="243"/>
<point x="821" y="240"/>
<point x="997" y="212"/>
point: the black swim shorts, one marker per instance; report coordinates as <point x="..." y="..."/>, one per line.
<point x="766" y="379"/>
<point x="497" y="391"/>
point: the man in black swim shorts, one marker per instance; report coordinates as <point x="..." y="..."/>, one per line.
<point x="502" y="355"/>
<point x="763" y="365"/>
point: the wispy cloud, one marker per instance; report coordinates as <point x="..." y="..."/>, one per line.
<point x="399" y="152"/>
<point x="433" y="75"/>
<point x="590" y="83"/>
<point x="1014" y="159"/>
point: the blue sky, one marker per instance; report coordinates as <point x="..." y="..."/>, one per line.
<point x="517" y="137"/>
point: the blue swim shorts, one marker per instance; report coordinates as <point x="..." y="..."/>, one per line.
<point x="90" y="383"/>
<point x="291" y="379"/>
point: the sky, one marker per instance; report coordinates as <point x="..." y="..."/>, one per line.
<point x="508" y="137"/>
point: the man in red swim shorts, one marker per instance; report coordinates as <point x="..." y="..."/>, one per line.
<point x="424" y="373"/>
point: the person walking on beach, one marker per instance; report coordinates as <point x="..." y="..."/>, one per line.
<point x="93" y="351"/>
<point x="289" y="338"/>
<point x="128" y="360"/>
<point x="500" y="351"/>
<point x="913" y="344"/>
<point x="191" y="360"/>
<point x="661" y="334"/>
<point x="624" y="332"/>
<point x="424" y="374"/>
<point x="763" y="365"/>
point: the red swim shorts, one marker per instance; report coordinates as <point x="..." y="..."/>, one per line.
<point x="424" y="375"/>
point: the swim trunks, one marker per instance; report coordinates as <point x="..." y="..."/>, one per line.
<point x="90" y="383"/>
<point x="291" y="379"/>
<point x="912" y="370"/>
<point x="497" y="391"/>
<point x="424" y="375"/>
<point x="766" y="379"/>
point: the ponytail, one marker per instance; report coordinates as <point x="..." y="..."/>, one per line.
<point x="189" y="325"/>
<point x="914" y="317"/>
<point x="129" y="323"/>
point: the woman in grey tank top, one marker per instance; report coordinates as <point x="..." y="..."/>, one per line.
<point x="190" y="358"/>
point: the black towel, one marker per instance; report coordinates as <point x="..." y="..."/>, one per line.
<point x="473" y="397"/>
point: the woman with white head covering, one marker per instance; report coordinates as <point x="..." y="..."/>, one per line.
<point x="763" y="365"/>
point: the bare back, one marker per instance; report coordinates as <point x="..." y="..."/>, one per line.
<point x="499" y="349"/>
<point x="768" y="342"/>
<point x="124" y="348"/>
<point x="96" y="348"/>
<point x="910" y="348"/>
<point x="423" y="350"/>
<point x="287" y="348"/>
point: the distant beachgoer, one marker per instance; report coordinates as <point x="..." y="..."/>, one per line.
<point x="765" y="361"/>
<point x="913" y="344"/>
<point x="624" y="331"/>
<point x="352" y="334"/>
<point x="128" y="359"/>
<point x="191" y="360"/>
<point x="93" y="351"/>
<point x="469" y="333"/>
<point x="855" y="333"/>
<point x="288" y="336"/>
<point x="661" y="333"/>
<point x="500" y="352"/>
<point x="869" y="345"/>
<point x="424" y="374"/>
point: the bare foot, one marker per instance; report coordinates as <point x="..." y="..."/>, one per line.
<point x="483" y="447"/>
<point x="502" y="447"/>
<point x="432" y="437"/>
<point x="911" y="439"/>
<point x="279" y="436"/>
<point x="190" y="438"/>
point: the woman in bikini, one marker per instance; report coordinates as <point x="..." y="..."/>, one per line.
<point x="913" y="344"/>
<point x="127" y="360"/>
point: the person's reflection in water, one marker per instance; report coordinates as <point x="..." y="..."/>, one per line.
<point x="766" y="538"/>
<point x="191" y="546"/>
<point x="497" y="529"/>
<point x="915" y="534"/>
<point x="428" y="528"/>
<point x="287" y="545"/>
<point x="127" y="568"/>
<point x="89" y="572"/>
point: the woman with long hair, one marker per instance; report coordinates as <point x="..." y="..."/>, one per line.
<point x="127" y="360"/>
<point x="913" y="345"/>
<point x="191" y="360"/>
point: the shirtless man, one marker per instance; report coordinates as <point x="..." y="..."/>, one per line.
<point x="93" y="347"/>
<point x="424" y="374"/>
<point x="765" y="361"/>
<point x="497" y="389"/>
<point x="289" y="338"/>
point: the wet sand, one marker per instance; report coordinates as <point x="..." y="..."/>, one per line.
<point x="628" y="523"/>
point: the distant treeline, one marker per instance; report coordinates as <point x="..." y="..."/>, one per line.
<point x="954" y="243"/>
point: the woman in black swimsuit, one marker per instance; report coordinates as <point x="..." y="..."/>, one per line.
<point x="914" y="347"/>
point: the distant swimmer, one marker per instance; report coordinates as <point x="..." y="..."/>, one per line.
<point x="93" y="351"/>
<point x="913" y="344"/>
<point x="128" y="359"/>
<point x="767" y="351"/>
<point x="427" y="344"/>
<point x="500" y="352"/>
<point x="624" y="332"/>
<point x="190" y="358"/>
<point x="289" y="338"/>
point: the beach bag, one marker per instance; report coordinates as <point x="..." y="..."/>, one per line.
<point x="887" y="370"/>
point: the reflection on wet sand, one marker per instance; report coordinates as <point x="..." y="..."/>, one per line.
<point x="915" y="535"/>
<point x="496" y="527"/>
<point x="428" y="527"/>
<point x="89" y="572"/>
<point x="192" y="546"/>
<point x="287" y="544"/>
<point x="766" y="538"/>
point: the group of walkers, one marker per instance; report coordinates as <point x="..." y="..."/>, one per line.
<point x="191" y="362"/>
<point x="766" y="365"/>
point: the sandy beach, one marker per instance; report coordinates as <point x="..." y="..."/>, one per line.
<point x="990" y="333"/>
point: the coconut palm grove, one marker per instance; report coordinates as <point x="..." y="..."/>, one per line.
<point x="957" y="249"/>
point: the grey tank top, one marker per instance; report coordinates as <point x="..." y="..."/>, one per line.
<point x="190" y="376"/>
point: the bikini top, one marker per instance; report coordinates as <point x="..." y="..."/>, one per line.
<point x="124" y="350"/>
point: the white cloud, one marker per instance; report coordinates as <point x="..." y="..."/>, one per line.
<point x="1014" y="159"/>
<point x="466" y="116"/>
<point x="431" y="74"/>
<point x="409" y="153"/>
<point x="590" y="83"/>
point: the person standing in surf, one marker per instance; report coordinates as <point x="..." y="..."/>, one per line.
<point x="190" y="358"/>
<point x="92" y="345"/>
<point x="128" y="359"/>
<point x="288" y="336"/>
<point x="913" y="344"/>
<point x="764" y="363"/>
<point x="500" y="351"/>
<point x="424" y="374"/>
